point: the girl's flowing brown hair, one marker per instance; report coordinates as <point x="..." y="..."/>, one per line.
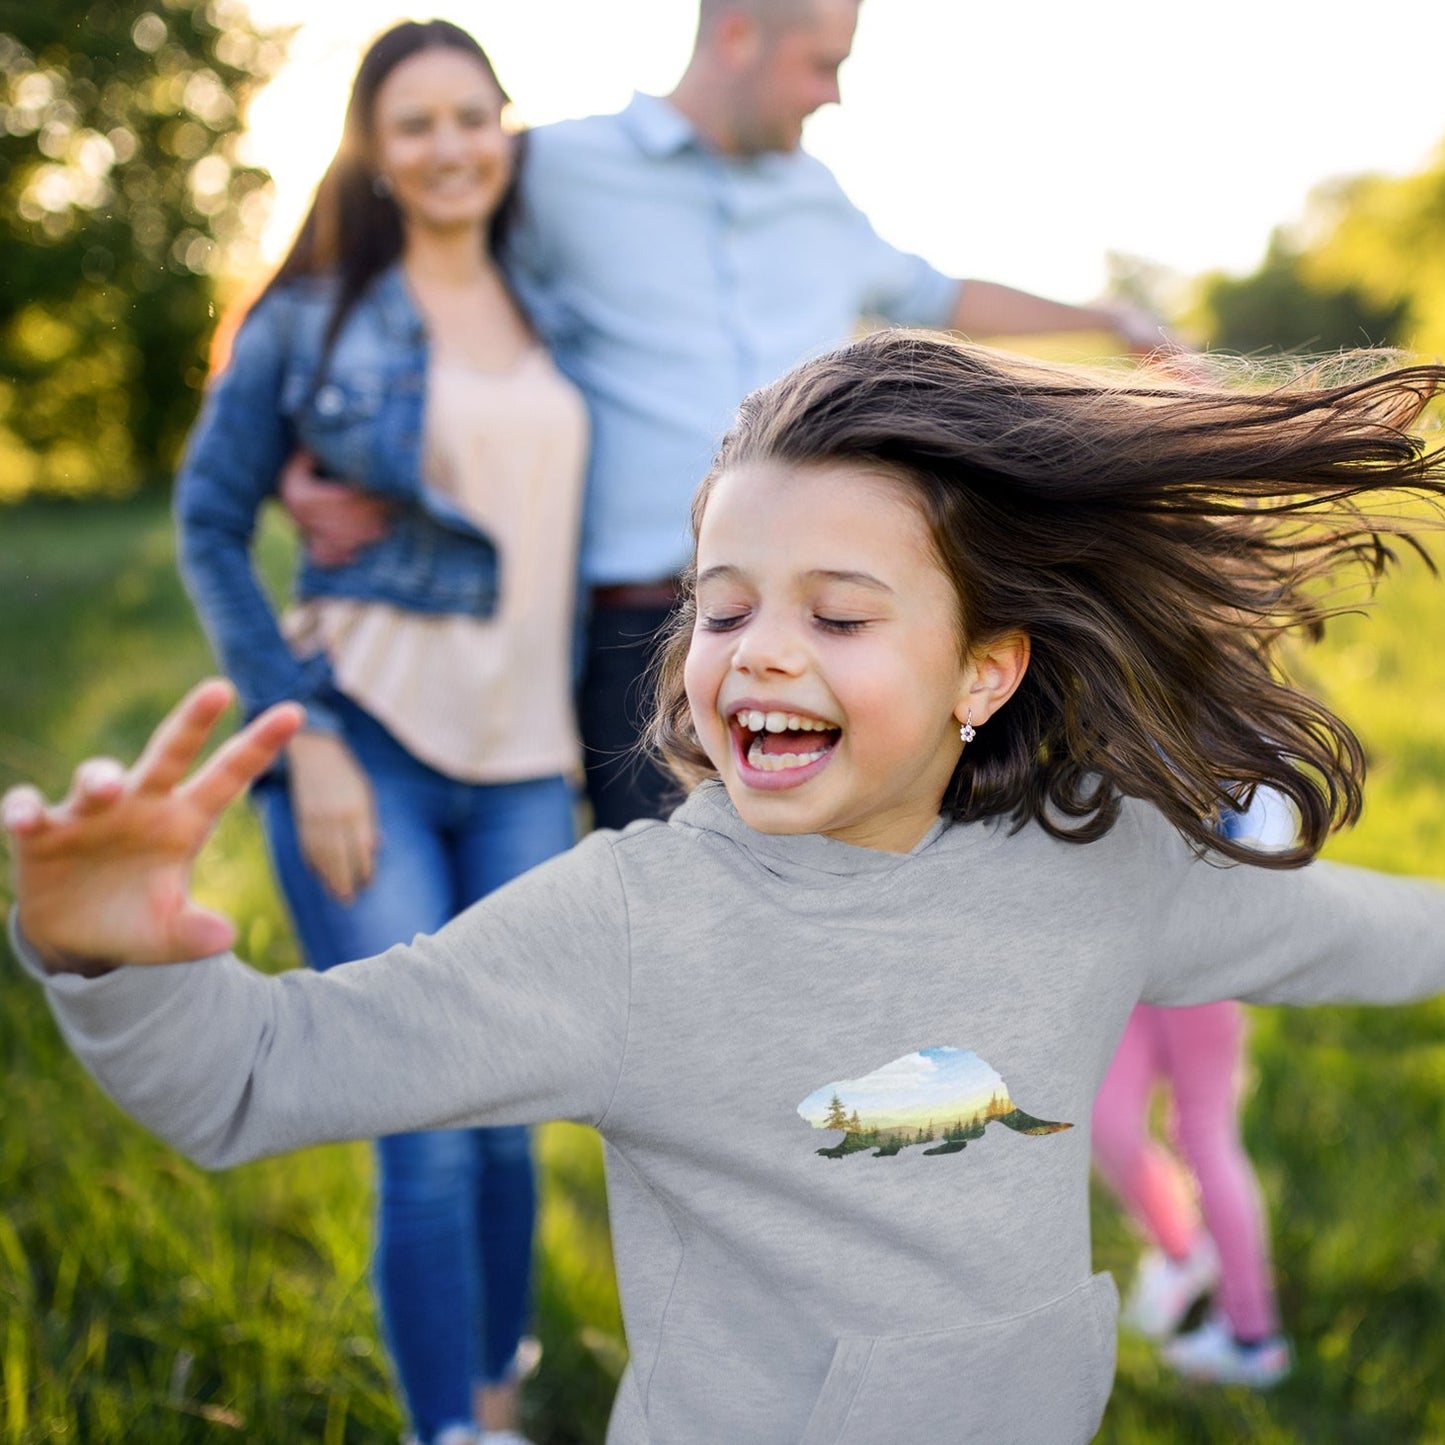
<point x="1156" y="541"/>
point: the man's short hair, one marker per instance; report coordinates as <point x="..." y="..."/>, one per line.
<point x="773" y="15"/>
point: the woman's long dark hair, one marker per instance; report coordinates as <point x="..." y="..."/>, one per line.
<point x="351" y="232"/>
<point x="1156" y="542"/>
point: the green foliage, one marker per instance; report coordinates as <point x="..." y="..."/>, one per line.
<point x="1280" y="307"/>
<point x="1361" y="268"/>
<point x="121" y="188"/>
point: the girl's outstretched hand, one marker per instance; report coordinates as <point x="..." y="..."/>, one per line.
<point x="102" y="877"/>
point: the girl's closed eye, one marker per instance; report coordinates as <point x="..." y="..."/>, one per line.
<point x="842" y="624"/>
<point x="721" y="621"/>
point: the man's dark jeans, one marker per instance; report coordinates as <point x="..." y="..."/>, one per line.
<point x="623" y="783"/>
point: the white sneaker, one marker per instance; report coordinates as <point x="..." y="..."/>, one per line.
<point x="527" y="1358"/>
<point x="1165" y="1290"/>
<point x="457" y="1435"/>
<point x="1212" y="1353"/>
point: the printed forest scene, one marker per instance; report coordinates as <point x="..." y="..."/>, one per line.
<point x="941" y="1098"/>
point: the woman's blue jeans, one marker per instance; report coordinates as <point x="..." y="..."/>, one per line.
<point x="456" y="1206"/>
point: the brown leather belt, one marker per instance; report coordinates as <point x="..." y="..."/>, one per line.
<point x="637" y="594"/>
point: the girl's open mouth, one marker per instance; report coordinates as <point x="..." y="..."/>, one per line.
<point x="780" y="749"/>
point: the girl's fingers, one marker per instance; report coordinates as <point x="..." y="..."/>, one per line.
<point x="198" y="933"/>
<point x="22" y="810"/>
<point x="178" y="741"/>
<point x="96" y="785"/>
<point x="243" y="758"/>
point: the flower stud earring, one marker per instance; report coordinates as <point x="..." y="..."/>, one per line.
<point x="966" y="730"/>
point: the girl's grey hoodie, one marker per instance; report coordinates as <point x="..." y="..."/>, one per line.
<point x="844" y="1094"/>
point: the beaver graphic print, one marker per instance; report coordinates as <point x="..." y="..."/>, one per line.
<point x="940" y="1098"/>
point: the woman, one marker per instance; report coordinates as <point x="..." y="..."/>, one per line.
<point x="439" y="746"/>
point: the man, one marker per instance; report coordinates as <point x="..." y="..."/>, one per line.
<point x="674" y="257"/>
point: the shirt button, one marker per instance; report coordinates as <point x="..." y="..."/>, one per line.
<point x="330" y="400"/>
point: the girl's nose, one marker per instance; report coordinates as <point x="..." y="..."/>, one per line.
<point x="765" y="647"/>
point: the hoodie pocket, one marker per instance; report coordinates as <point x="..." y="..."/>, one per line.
<point x="1038" y="1378"/>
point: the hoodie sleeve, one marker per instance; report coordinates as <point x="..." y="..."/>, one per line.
<point x="515" y="1012"/>
<point x="1324" y="933"/>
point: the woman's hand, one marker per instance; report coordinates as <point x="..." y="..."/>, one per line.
<point x="335" y="812"/>
<point x="102" y="878"/>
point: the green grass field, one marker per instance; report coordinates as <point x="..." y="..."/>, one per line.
<point x="143" y="1300"/>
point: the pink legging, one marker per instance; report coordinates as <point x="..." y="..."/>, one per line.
<point x="1198" y="1052"/>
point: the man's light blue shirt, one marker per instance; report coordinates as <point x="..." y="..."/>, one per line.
<point x="670" y="281"/>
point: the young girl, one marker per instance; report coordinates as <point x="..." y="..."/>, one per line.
<point x="974" y="653"/>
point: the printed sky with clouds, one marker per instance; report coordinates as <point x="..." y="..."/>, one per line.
<point x="939" y="1084"/>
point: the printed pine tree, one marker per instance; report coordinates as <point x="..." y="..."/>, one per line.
<point x="837" y="1116"/>
<point x="855" y="1124"/>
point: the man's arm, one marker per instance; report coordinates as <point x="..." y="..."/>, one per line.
<point x="985" y="308"/>
<point x="335" y="519"/>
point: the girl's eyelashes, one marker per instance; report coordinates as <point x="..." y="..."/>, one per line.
<point x="720" y="622"/>
<point x="727" y="622"/>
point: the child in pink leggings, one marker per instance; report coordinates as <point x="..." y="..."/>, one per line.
<point x="1199" y="1053"/>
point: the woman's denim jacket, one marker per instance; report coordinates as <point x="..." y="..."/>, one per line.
<point x="362" y="420"/>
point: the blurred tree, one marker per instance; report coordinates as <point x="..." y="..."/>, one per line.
<point x="1284" y="307"/>
<point x="121" y="189"/>
<point x="1386" y="236"/>
<point x="1138" y="281"/>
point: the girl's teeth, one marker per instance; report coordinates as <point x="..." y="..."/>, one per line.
<point x="779" y="762"/>
<point x="756" y="721"/>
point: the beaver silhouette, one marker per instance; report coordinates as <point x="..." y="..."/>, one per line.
<point x="943" y="1097"/>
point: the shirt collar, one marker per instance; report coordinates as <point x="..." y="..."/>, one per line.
<point x="658" y="128"/>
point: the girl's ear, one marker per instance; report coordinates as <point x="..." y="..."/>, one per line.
<point x="992" y="673"/>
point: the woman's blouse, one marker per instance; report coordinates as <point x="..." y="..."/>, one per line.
<point x="481" y="699"/>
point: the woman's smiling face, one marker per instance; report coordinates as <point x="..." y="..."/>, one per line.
<point x="439" y="139"/>
<point x="826" y="675"/>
